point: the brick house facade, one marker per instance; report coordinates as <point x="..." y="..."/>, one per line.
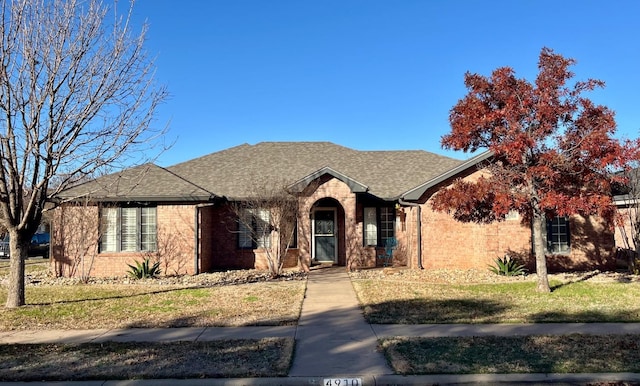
<point x="349" y="203"/>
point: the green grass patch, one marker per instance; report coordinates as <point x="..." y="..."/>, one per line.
<point x="31" y="266"/>
<point x="269" y="357"/>
<point x="390" y="302"/>
<point x="141" y="305"/>
<point x="518" y="354"/>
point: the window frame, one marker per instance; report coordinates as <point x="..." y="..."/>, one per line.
<point x="559" y="235"/>
<point x="112" y="239"/>
<point x="384" y="225"/>
<point x="250" y="238"/>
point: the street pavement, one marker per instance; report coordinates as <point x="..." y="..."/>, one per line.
<point x="335" y="344"/>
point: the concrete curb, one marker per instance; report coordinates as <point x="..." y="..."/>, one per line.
<point x="369" y="380"/>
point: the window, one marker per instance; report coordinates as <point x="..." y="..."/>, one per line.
<point x="558" y="235"/>
<point x="130" y="229"/>
<point x="370" y="226"/>
<point x="379" y="225"/>
<point x="387" y="221"/>
<point x="254" y="229"/>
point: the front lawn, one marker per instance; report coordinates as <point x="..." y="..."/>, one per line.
<point x="269" y="357"/>
<point x="422" y="297"/>
<point x="225" y="299"/>
<point x="517" y="354"/>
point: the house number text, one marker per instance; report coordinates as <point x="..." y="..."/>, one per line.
<point x="342" y="382"/>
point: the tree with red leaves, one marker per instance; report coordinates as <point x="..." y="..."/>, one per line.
<point x="553" y="150"/>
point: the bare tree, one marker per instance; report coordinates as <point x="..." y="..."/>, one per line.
<point x="267" y="221"/>
<point x="77" y="95"/>
<point x="79" y="229"/>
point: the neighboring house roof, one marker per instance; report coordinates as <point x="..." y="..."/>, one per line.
<point x="235" y="173"/>
<point x="629" y="194"/>
<point x="147" y="182"/>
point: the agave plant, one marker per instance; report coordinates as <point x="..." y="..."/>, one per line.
<point x="144" y="269"/>
<point x="507" y="266"/>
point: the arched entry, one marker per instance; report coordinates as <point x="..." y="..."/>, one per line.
<point x="327" y="231"/>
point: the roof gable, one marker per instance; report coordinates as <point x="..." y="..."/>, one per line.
<point x="354" y="185"/>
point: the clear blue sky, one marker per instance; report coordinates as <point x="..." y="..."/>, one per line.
<point x="367" y="74"/>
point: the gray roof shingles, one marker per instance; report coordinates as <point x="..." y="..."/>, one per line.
<point x="146" y="182"/>
<point x="237" y="171"/>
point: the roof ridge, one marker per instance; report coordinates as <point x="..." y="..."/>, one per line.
<point x="242" y="145"/>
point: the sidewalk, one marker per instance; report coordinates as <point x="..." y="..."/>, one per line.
<point x="332" y="337"/>
<point x="334" y="341"/>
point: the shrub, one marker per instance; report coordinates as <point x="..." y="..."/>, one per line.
<point x="144" y="269"/>
<point x="507" y="266"/>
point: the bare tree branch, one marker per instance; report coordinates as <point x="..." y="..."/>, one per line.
<point x="77" y="98"/>
<point x="267" y="220"/>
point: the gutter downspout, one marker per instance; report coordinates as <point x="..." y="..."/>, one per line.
<point x="418" y="225"/>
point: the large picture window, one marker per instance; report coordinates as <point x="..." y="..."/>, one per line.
<point x="379" y="225"/>
<point x="558" y="235"/>
<point x="130" y="229"/>
<point x="254" y="229"/>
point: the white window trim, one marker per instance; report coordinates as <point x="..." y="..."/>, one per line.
<point x="111" y="237"/>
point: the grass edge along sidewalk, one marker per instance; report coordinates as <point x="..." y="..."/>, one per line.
<point x="574" y="353"/>
<point x="236" y="358"/>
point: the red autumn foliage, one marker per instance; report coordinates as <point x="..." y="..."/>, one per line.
<point x="554" y="150"/>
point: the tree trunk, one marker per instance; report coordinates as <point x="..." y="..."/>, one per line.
<point x="539" y="248"/>
<point x="18" y="249"/>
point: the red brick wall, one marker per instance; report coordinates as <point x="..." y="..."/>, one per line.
<point x="74" y="252"/>
<point x="219" y="243"/>
<point x="74" y="240"/>
<point x="205" y="235"/>
<point x="624" y="232"/>
<point x="176" y="237"/>
<point x="339" y="195"/>
<point x="447" y="243"/>
<point x="592" y="246"/>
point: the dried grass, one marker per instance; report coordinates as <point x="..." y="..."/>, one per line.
<point x="454" y="296"/>
<point x="198" y="302"/>
<point x="518" y="354"/>
<point x="269" y="357"/>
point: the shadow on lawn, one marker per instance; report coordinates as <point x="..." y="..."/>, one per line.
<point x="434" y="311"/>
<point x="421" y="311"/>
<point x="579" y="280"/>
<point x="114" y="296"/>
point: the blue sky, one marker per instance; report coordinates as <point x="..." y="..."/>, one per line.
<point x="367" y="74"/>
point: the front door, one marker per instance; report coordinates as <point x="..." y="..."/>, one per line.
<point x="324" y="236"/>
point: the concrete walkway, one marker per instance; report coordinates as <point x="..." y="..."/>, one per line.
<point x="334" y="341"/>
<point x="332" y="336"/>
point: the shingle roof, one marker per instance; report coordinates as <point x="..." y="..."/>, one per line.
<point x="387" y="174"/>
<point x="147" y="182"/>
<point x="234" y="172"/>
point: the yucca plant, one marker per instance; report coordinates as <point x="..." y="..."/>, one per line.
<point x="507" y="266"/>
<point x="144" y="269"/>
